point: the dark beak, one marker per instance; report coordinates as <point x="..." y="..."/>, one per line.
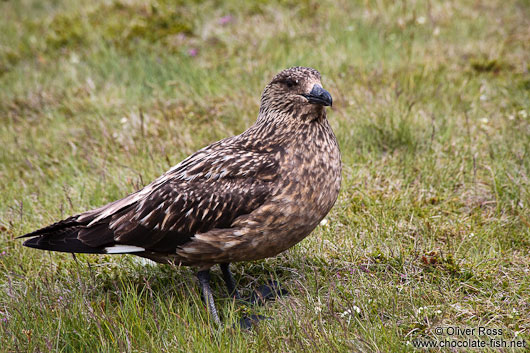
<point x="319" y="95"/>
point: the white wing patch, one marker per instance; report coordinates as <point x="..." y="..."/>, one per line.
<point x="123" y="249"/>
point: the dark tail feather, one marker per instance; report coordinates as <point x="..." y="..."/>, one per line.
<point x="61" y="236"/>
<point x="54" y="228"/>
<point x="65" y="244"/>
<point x="65" y="236"/>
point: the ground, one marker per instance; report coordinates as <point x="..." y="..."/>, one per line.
<point x="432" y="114"/>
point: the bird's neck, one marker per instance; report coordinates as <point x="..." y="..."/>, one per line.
<point x="292" y="116"/>
<point x="282" y="128"/>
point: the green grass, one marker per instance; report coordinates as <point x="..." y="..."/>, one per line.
<point x="432" y="113"/>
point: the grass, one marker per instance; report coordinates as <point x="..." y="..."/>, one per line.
<point x="432" y="113"/>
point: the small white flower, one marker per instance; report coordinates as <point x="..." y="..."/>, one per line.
<point x="421" y="309"/>
<point x="90" y="83"/>
<point x="123" y="120"/>
<point x="511" y="117"/>
<point x="323" y="222"/>
<point x="74" y="58"/>
<point x="523" y="113"/>
<point x="349" y="313"/>
<point x="484" y="120"/>
<point x="436" y="31"/>
<point x="483" y="98"/>
<point x="421" y="20"/>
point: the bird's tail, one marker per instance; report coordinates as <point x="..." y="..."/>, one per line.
<point x="61" y="236"/>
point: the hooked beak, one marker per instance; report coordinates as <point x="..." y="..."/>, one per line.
<point x="319" y="95"/>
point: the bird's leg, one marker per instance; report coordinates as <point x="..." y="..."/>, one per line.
<point x="247" y="321"/>
<point x="229" y="281"/>
<point x="269" y="291"/>
<point x="204" y="280"/>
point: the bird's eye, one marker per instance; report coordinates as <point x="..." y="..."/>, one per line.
<point x="291" y="83"/>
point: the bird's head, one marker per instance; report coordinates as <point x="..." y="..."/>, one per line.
<point x="296" y="92"/>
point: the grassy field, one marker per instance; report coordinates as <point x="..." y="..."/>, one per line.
<point x="432" y="113"/>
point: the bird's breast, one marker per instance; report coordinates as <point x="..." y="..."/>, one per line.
<point x="310" y="178"/>
<point x="311" y="175"/>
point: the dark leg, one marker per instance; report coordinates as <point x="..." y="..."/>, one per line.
<point x="229" y="281"/>
<point x="204" y="280"/>
<point x="246" y="322"/>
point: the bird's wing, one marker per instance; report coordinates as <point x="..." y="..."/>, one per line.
<point x="207" y="190"/>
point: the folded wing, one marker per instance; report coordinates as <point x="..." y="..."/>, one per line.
<point x="205" y="191"/>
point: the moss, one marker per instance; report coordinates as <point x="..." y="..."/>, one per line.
<point x="378" y="257"/>
<point x="487" y="65"/>
<point x="119" y="24"/>
<point x="525" y="84"/>
<point x="152" y="24"/>
<point x="435" y="261"/>
<point x="66" y="31"/>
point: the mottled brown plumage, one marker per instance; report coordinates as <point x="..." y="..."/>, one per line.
<point x="243" y="198"/>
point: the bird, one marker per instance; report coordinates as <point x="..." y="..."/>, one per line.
<point x="243" y="198"/>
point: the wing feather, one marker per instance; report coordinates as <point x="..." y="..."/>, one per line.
<point x="207" y="190"/>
